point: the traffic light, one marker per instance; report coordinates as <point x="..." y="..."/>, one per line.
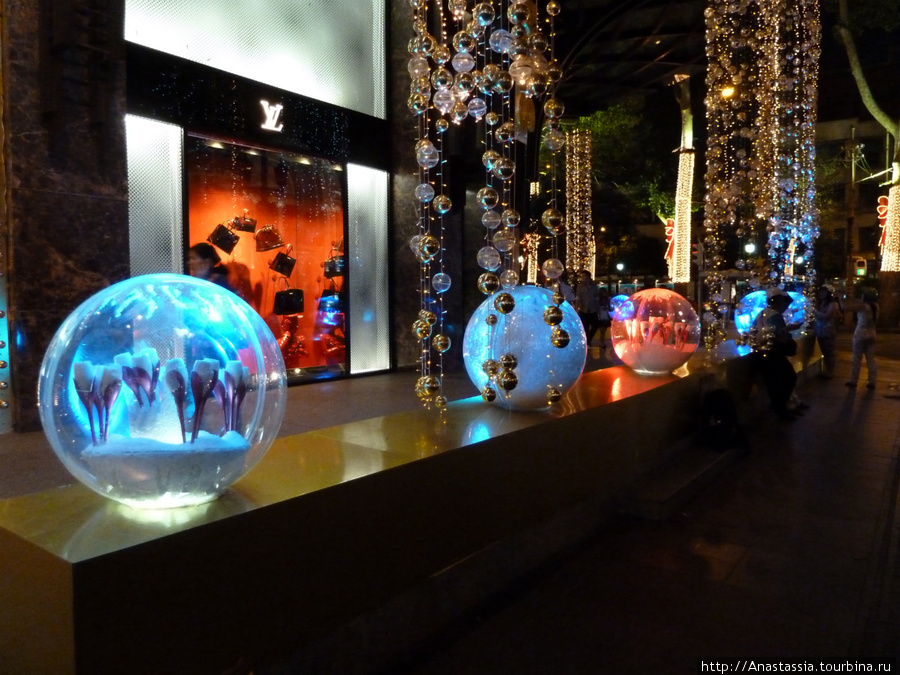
<point x="860" y="267"/>
<point x="697" y="254"/>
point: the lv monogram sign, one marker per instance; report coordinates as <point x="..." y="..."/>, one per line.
<point x="273" y="116"/>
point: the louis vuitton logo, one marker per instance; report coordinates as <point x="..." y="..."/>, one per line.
<point x="273" y="116"/>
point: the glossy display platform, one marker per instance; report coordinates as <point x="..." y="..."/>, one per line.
<point x="330" y="524"/>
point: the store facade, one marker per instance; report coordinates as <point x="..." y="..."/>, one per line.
<point x="260" y="129"/>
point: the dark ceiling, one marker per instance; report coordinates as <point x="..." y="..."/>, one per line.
<point x="614" y="49"/>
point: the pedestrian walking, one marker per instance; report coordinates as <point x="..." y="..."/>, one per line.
<point x="865" y="310"/>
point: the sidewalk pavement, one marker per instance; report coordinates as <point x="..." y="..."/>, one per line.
<point x="791" y="553"/>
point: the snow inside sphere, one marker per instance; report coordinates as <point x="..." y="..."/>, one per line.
<point x="539" y="370"/>
<point x="753" y="303"/>
<point x="162" y="391"/>
<point x="655" y="331"/>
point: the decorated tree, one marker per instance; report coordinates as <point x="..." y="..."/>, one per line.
<point x="874" y="15"/>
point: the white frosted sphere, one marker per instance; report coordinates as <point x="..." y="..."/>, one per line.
<point x="524" y="334"/>
<point x="162" y="391"/>
<point x="655" y="331"/>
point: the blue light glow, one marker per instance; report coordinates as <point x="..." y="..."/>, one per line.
<point x="753" y="303"/>
<point x="524" y="334"/>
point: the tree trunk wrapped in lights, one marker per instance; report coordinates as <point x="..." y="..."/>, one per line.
<point x="581" y="250"/>
<point x="762" y="84"/>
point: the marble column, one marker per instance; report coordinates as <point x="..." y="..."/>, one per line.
<point x="65" y="208"/>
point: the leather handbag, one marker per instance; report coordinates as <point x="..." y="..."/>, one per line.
<point x="244" y="223"/>
<point x="283" y="263"/>
<point x="334" y="267"/>
<point x="224" y="238"/>
<point x="267" y="238"/>
<point x="288" y="301"/>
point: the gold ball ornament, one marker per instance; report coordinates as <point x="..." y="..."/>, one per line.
<point x="508" y="361"/>
<point x="427" y="386"/>
<point x="558" y="297"/>
<point x="560" y="338"/>
<point x="490" y="367"/>
<point x="505" y="303"/>
<point x="553" y="316"/>
<point x="421" y="329"/>
<point x="488" y="394"/>
<point x="428" y="317"/>
<point x="553" y="221"/>
<point x="507" y="379"/>
<point x="440" y="402"/>
<point x="488" y="283"/>
<point x="440" y="343"/>
<point x="491" y="319"/>
<point x="553" y="396"/>
<point x="429" y="246"/>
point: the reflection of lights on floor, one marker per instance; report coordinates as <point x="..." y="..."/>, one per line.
<point x="616" y="389"/>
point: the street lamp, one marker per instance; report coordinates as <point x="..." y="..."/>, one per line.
<point x="619" y="268"/>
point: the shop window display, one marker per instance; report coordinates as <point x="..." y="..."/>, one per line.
<point x="276" y="220"/>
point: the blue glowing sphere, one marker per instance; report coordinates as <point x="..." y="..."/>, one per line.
<point x="752" y="304"/>
<point x="617" y="300"/>
<point x="655" y="331"/>
<point x="542" y="371"/>
<point x="162" y="391"/>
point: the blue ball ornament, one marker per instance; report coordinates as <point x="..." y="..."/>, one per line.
<point x="543" y="372"/>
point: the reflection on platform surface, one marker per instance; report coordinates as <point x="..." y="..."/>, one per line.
<point x="295" y="465"/>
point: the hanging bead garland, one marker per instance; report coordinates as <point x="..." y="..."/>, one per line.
<point x="488" y="62"/>
<point x="760" y="108"/>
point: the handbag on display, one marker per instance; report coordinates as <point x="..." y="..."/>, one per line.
<point x="244" y="223"/>
<point x="283" y="263"/>
<point x="267" y="238"/>
<point x="288" y="301"/>
<point x="334" y="267"/>
<point x="224" y="238"/>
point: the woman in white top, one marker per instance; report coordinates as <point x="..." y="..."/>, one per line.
<point x="864" y="339"/>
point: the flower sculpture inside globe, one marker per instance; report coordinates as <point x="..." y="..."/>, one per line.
<point x="162" y="391"/>
<point x="524" y="348"/>
<point x="655" y="331"/>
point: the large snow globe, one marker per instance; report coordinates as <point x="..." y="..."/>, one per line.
<point x="655" y="331"/>
<point x="162" y="391"/>
<point x="522" y="349"/>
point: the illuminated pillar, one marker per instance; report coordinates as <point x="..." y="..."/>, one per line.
<point x="890" y="250"/>
<point x="580" y="244"/>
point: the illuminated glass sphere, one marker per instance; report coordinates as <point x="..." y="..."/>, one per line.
<point x="753" y="303"/>
<point x="553" y="268"/>
<point x="617" y="300"/>
<point x="541" y="368"/>
<point x="490" y="219"/>
<point x="440" y="282"/>
<point x="489" y="258"/>
<point x="162" y="391"/>
<point x="424" y="192"/>
<point x="655" y="331"/>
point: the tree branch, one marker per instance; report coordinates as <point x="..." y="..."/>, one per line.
<point x="892" y="126"/>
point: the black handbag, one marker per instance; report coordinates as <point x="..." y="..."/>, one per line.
<point x="334" y="267"/>
<point x="289" y="301"/>
<point x="224" y="238"/>
<point x="244" y="223"/>
<point x="283" y="263"/>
